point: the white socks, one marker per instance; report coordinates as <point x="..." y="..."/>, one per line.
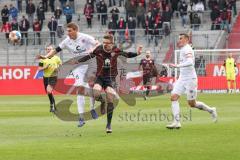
<point x="176" y="111"/>
<point x="203" y="106"/>
<point x="80" y="103"/>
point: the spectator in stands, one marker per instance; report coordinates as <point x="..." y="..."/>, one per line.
<point x="130" y="8"/>
<point x="14" y="25"/>
<point x="111" y="2"/>
<point x="26" y="1"/>
<point x="174" y="4"/>
<point x="13" y="12"/>
<point x="222" y="4"/>
<point x="233" y="6"/>
<point x="112" y="26"/>
<point x="198" y="7"/>
<point x="45" y="5"/>
<point x="19" y="5"/>
<point x="121" y="26"/>
<point x="37" y="31"/>
<point x="88" y="12"/>
<point x="5" y="14"/>
<point x="212" y="4"/>
<point x="149" y="26"/>
<point x="131" y="27"/>
<point x="154" y="11"/>
<point x="156" y="32"/>
<point x="6" y="28"/>
<point x="140" y="13"/>
<point x="41" y="14"/>
<point x="68" y="12"/>
<point x="71" y="4"/>
<point x="63" y="3"/>
<point x="103" y="11"/>
<point x="120" y="3"/>
<point x="183" y="12"/>
<point x="215" y="14"/>
<point x="166" y="17"/>
<point x="52" y="26"/>
<point x="60" y="30"/>
<point x="196" y="21"/>
<point x="98" y="6"/>
<point x="52" y="5"/>
<point x="225" y="20"/>
<point x="91" y="2"/>
<point x="115" y="14"/>
<point x="30" y="10"/>
<point x="24" y="27"/>
<point x="58" y="13"/>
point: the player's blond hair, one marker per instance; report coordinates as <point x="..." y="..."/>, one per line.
<point x="72" y="25"/>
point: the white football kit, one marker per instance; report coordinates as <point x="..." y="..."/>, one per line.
<point x="79" y="47"/>
<point x="187" y="82"/>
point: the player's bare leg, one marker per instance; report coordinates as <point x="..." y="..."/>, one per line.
<point x="51" y="98"/>
<point x="204" y="107"/>
<point x="176" y="112"/>
<point x="111" y="95"/>
<point x="97" y="89"/>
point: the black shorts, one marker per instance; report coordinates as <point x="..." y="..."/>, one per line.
<point x="105" y="81"/>
<point x="147" y="79"/>
<point x="49" y="81"/>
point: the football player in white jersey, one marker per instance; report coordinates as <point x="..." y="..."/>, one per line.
<point x="186" y="83"/>
<point x="79" y="44"/>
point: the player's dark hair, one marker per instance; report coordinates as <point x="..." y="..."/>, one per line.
<point x="72" y="25"/>
<point x="185" y="35"/>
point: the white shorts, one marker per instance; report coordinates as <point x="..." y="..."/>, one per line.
<point x="186" y="86"/>
<point x="79" y="75"/>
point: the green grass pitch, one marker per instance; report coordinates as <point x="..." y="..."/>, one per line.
<point x="29" y="132"/>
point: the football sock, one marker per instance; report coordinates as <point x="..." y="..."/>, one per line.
<point x="147" y="91"/>
<point x="51" y="99"/>
<point x="80" y="104"/>
<point x="176" y="111"/>
<point x="110" y="108"/>
<point x="203" y="106"/>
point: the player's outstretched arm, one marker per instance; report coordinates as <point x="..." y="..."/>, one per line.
<point x="80" y="60"/>
<point x="132" y="54"/>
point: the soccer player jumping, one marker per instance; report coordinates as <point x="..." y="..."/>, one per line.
<point x="186" y="83"/>
<point x="78" y="44"/>
<point x="107" y="55"/>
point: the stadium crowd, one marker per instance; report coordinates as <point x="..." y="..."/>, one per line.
<point x="154" y="16"/>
